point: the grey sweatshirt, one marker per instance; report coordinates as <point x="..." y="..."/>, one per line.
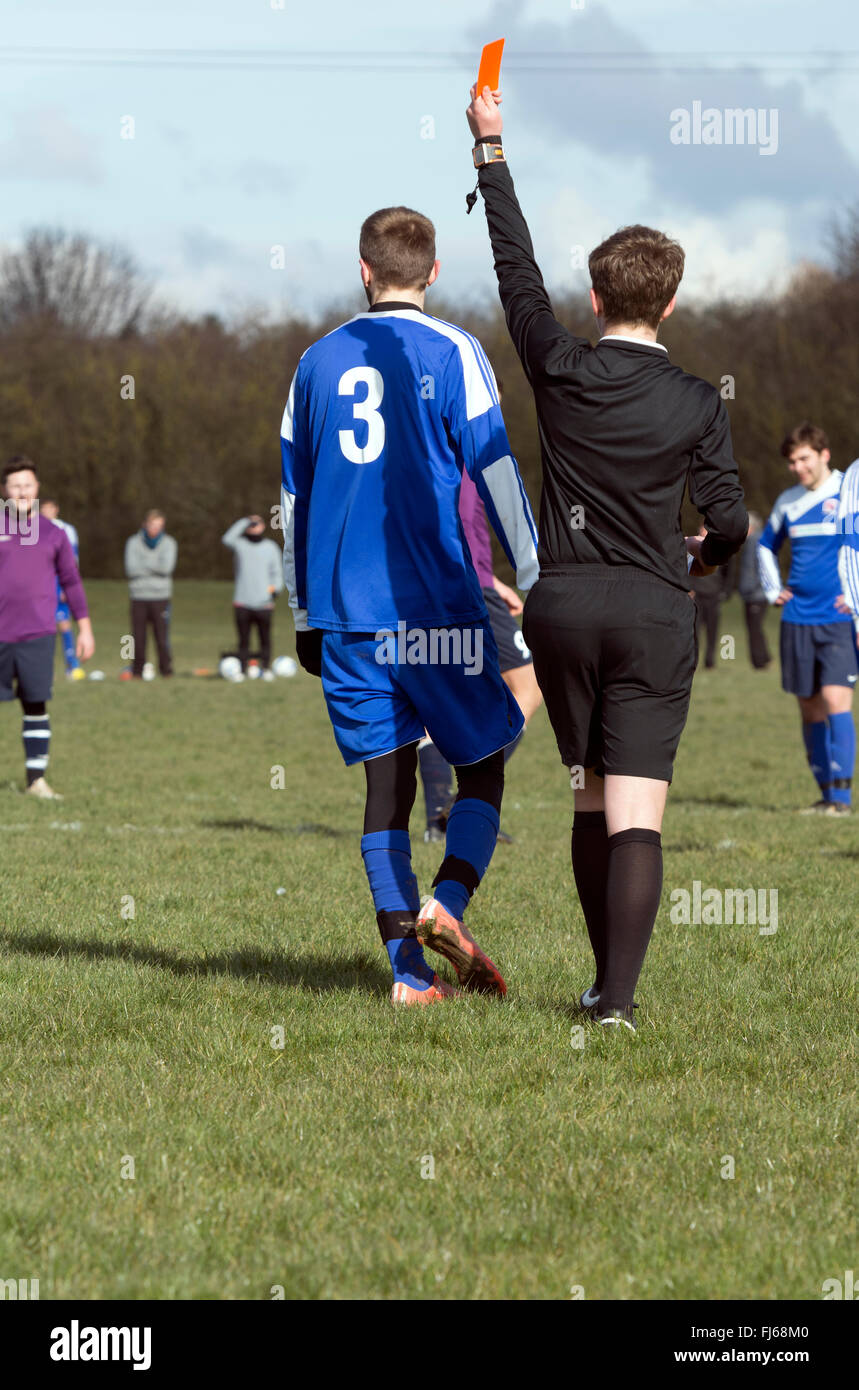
<point x="150" y="572"/>
<point x="259" y="566"/>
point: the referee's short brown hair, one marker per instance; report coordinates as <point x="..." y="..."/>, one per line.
<point x="398" y="244"/>
<point x="636" y="272"/>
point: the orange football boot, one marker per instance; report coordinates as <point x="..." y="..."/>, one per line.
<point x="444" y="933"/>
<point x="407" y="994"/>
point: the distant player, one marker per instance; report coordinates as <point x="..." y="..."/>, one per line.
<point x="818" y="655"/>
<point x="150" y="561"/>
<point x="259" y="579"/>
<point x="514" y="658"/>
<point x="848" y="553"/>
<point x="35" y="557"/>
<point x="49" y="509"/>
<point x="384" y="415"/>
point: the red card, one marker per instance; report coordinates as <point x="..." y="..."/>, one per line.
<point x="490" y="66"/>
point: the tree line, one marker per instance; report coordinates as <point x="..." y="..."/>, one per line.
<point x="125" y="405"/>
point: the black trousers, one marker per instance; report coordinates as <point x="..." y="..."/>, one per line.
<point x="708" y="609"/>
<point x="759" y="652"/>
<point x="260" y="618"/>
<point x="154" y="613"/>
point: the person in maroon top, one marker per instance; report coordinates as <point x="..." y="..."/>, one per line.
<point x="517" y="667"/>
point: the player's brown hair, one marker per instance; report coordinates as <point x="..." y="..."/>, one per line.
<point x="636" y="272"/>
<point x="18" y="463"/>
<point x="398" y="245"/>
<point x="804" y="433"/>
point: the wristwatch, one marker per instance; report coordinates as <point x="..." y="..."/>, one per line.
<point x="487" y="151"/>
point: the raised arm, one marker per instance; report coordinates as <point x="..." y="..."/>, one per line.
<point x="537" y="335"/>
<point x="234" y="532"/>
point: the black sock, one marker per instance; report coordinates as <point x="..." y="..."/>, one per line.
<point x="633" y="888"/>
<point x="589" y="852"/>
<point x="437" y="777"/>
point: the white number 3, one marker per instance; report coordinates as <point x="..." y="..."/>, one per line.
<point x="367" y="410"/>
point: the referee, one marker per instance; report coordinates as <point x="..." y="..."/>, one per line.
<point x="610" y="621"/>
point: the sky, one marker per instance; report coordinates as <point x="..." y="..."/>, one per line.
<point x="261" y="124"/>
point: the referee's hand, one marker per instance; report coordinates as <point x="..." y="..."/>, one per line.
<point x="308" y="649"/>
<point x="484" y="118"/>
<point x="698" y="568"/>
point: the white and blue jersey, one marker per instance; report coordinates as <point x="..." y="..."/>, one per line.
<point x="63" y="612"/>
<point x="848" y="525"/>
<point x="809" y="519"/>
<point x="383" y="415"/>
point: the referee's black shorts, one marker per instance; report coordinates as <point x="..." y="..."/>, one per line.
<point x="614" y="654"/>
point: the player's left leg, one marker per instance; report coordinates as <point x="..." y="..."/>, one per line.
<point x="386" y="851"/>
<point x="161" y="628"/>
<point x="34" y="670"/>
<point x="838" y="700"/>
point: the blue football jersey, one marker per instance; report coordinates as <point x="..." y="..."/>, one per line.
<point x="383" y="414"/>
<point x="848" y="525"/>
<point x="809" y="519"/>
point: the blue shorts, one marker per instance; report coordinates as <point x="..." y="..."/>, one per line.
<point x="64" y="613"/>
<point x="27" y="669"/>
<point x="814" y="655"/>
<point x="512" y="648"/>
<point x="383" y="693"/>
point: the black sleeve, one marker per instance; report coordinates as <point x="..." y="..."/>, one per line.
<point x="714" y="488"/>
<point x="535" y="331"/>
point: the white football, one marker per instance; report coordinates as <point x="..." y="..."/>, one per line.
<point x="284" y="666"/>
<point x="148" y="671"/>
<point x="230" y="667"/>
<point x="267" y="676"/>
<point x="254" y="672"/>
<point x="96" y="675"/>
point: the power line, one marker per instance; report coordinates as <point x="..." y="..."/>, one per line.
<point x="417" y="61"/>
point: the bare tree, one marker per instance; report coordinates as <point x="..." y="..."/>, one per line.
<point x="70" y="281"/>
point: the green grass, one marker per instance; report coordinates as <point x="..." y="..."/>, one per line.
<point x="554" y="1165"/>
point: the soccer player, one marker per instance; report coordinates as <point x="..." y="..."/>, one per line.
<point x="517" y="668"/>
<point x="34" y="559"/>
<point x="610" y="621"/>
<point x="150" y="559"/>
<point x="818" y="655"/>
<point x="848" y="554"/>
<point x="384" y="415"/>
<point x="50" y="510"/>
<point x="259" y="578"/>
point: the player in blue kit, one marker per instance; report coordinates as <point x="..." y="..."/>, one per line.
<point x="818" y="654"/>
<point x="383" y="415"/>
<point x="848" y="554"/>
<point x="74" y="670"/>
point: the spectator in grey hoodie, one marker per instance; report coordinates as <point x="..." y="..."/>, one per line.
<point x="150" y="559"/>
<point x="259" y="578"/>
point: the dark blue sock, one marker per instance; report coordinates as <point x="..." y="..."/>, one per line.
<point x="472" y="833"/>
<point x="816" y="739"/>
<point x="388" y="863"/>
<point x="842" y="736"/>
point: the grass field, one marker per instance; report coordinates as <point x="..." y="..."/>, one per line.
<point x="149" y="1038"/>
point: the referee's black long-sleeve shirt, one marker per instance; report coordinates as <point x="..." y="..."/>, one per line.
<point x="621" y="428"/>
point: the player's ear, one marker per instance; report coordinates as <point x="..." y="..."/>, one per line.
<point x="433" y="275"/>
<point x="365" y="272"/>
<point x="669" y="308"/>
<point x="596" y="304"/>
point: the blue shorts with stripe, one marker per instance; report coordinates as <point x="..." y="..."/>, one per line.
<point x="817" y="654"/>
<point x="384" y="690"/>
<point x="27" y="669"/>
